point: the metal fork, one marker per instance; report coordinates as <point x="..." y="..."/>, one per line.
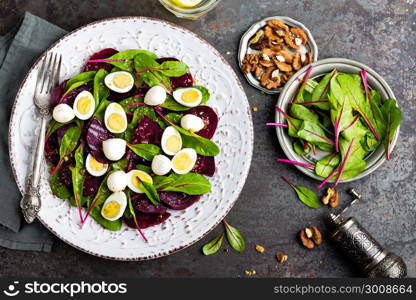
<point x="48" y="77"/>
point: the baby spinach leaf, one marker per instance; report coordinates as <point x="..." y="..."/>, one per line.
<point x="171" y="104"/>
<point x="190" y="183"/>
<point x="174" y="117"/>
<point x="173" y="68"/>
<point x="120" y="164"/>
<point x="213" y="246"/>
<point x="305" y="195"/>
<point x="79" y="80"/>
<point x="58" y="188"/>
<point x="392" y="116"/>
<point x="146" y="151"/>
<point x="69" y="141"/>
<point x="77" y="176"/>
<point x="124" y="59"/>
<point x="100" y="111"/>
<point x="160" y="182"/>
<point x="150" y="192"/>
<point x="205" y="93"/>
<point x="100" y="90"/>
<point x="301" y="147"/>
<point x="234" y="237"/>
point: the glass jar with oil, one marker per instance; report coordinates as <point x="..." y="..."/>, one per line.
<point x="189" y="9"/>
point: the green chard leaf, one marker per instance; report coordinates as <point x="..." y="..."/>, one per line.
<point x="54" y="126"/>
<point x="206" y="95"/>
<point x="79" y="80"/>
<point x="124" y="60"/>
<point x="69" y="141"/>
<point x="301" y="147"/>
<point x="100" y="111"/>
<point x="120" y="164"/>
<point x="234" y="237"/>
<point x="144" y="168"/>
<point x="213" y="246"/>
<point x="58" y="188"/>
<point x="392" y="116"/>
<point x="100" y="90"/>
<point x="78" y="177"/>
<point x="148" y="70"/>
<point x="146" y="151"/>
<point x="305" y="195"/>
<point x="320" y="92"/>
<point x="173" y="68"/>
<point x="326" y="165"/>
<point x="174" y="118"/>
<point x="190" y="183"/>
<point x="171" y="104"/>
<point x="150" y="192"/>
<point x="314" y="133"/>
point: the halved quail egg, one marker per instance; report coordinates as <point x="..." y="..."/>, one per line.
<point x="171" y="141"/>
<point x="84" y="105"/>
<point x="189" y="97"/>
<point x="134" y="179"/>
<point x="184" y="161"/>
<point x="113" y="208"/>
<point x="119" y="82"/>
<point x="94" y="167"/>
<point x="115" y="118"/>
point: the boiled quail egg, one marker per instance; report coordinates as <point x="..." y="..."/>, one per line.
<point x="114" y="149"/>
<point x="134" y="179"/>
<point x="115" y="118"/>
<point x="113" y="208"/>
<point x="119" y="82"/>
<point x="192" y="123"/>
<point x="63" y="113"/>
<point x="94" y="167"/>
<point x="189" y="97"/>
<point x="161" y="165"/>
<point x="171" y="140"/>
<point x="117" y="181"/>
<point x="155" y="96"/>
<point x="184" y="161"/>
<point x="84" y="105"/>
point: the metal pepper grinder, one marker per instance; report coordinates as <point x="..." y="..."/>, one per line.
<point x="361" y="247"/>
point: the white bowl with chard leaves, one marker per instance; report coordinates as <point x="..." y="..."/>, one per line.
<point x="337" y="120"/>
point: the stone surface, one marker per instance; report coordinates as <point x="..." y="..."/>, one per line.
<point x="379" y="33"/>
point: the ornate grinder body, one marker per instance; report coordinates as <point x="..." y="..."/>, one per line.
<point x="358" y="244"/>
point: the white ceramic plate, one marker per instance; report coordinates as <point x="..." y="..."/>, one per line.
<point x="234" y="135"/>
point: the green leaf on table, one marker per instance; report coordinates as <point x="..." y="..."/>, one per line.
<point x="100" y="90"/>
<point x="146" y="151"/>
<point x="190" y="183"/>
<point x="213" y="246"/>
<point x="304" y="194"/>
<point x="234" y="237"/>
<point x="392" y="116"/>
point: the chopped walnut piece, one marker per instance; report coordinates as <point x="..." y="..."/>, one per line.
<point x="331" y="197"/>
<point x="290" y="40"/>
<point x="310" y="237"/>
<point x="276" y="24"/>
<point x="258" y="71"/>
<point x="284" y="67"/>
<point x="281" y="257"/>
<point x="286" y="76"/>
<point x="267" y="81"/>
<point x="308" y="59"/>
<point x="297" y="63"/>
<point x="257" y="37"/>
<point x="299" y="33"/>
<point x="287" y="55"/>
<point x="259" y="248"/>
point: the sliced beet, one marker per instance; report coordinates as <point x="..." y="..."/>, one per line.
<point x="91" y="184"/>
<point x="205" y="165"/>
<point x="117" y="97"/>
<point x="96" y="134"/>
<point x="185" y="80"/>
<point x="52" y="149"/>
<point x="65" y="174"/>
<point x="178" y="200"/>
<point x="70" y="97"/>
<point x="210" y="118"/>
<point x="57" y="93"/>
<point x="144" y="206"/>
<point x="104" y="53"/>
<point x="147" y="132"/>
<point x="147" y="220"/>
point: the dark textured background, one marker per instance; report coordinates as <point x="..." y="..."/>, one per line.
<point x="379" y="33"/>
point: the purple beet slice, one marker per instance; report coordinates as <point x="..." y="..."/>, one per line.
<point x="117" y="97"/>
<point x="65" y="174"/>
<point x="210" y="118"/>
<point x="70" y="97"/>
<point x="96" y="134"/>
<point x="143" y="205"/>
<point x="147" y="220"/>
<point x="91" y="185"/>
<point x="178" y="200"/>
<point x="185" y="80"/>
<point x="204" y="165"/>
<point x="57" y="93"/>
<point x="104" y="53"/>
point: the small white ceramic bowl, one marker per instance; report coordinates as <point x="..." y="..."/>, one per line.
<point x="376" y="158"/>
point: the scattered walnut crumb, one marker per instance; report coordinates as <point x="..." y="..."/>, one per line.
<point x="260" y="249"/>
<point x="250" y="272"/>
<point x="281" y="257"/>
<point x="255" y="108"/>
<point x="228" y="52"/>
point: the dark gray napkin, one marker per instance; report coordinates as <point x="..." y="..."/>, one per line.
<point x="18" y="51"/>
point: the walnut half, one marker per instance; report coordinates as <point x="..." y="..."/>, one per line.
<point x="310" y="237"/>
<point x="331" y="198"/>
